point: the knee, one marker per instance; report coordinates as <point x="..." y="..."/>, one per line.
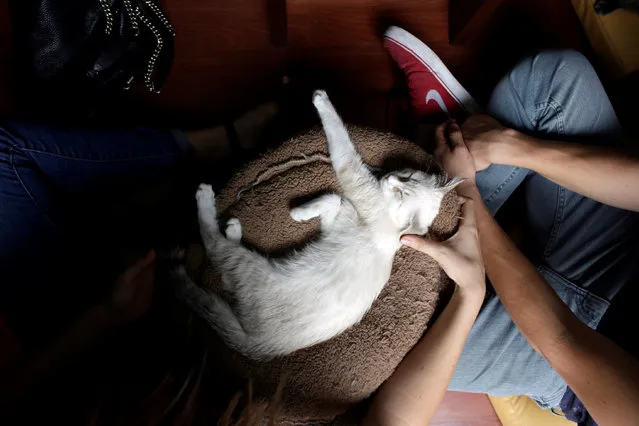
<point x="538" y="83"/>
<point x="567" y="63"/>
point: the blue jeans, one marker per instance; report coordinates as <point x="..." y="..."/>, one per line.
<point x="50" y="179"/>
<point x="585" y="250"/>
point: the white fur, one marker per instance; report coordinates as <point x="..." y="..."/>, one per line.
<point x="282" y="305"/>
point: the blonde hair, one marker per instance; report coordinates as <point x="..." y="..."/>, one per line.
<point x="254" y="413"/>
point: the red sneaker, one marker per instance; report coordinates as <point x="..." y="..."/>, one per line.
<point x="433" y="89"/>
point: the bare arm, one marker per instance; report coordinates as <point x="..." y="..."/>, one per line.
<point x="415" y="390"/>
<point x="601" y="374"/>
<point x="413" y="393"/>
<point x="603" y="174"/>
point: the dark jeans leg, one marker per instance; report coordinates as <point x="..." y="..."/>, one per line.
<point x="48" y="177"/>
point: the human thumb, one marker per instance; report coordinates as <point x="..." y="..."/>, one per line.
<point x="438" y="251"/>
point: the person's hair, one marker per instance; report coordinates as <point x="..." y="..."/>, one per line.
<point x="253" y="413"/>
<point x="154" y="374"/>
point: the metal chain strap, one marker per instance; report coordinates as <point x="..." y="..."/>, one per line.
<point x="161" y="16"/>
<point x="104" y="4"/>
<point x="136" y="16"/>
<point x="131" y="14"/>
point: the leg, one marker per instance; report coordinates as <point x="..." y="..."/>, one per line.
<point x="326" y="207"/>
<point x="570" y="232"/>
<point x="554" y="94"/>
<point x="209" y="306"/>
<point x="47" y="175"/>
<point x="357" y="182"/>
<point x="234" y="230"/>
<point x="225" y="251"/>
<point x="343" y="154"/>
<point x="545" y="95"/>
<point x="207" y="216"/>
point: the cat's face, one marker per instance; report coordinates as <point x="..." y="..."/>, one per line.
<point x="413" y="198"/>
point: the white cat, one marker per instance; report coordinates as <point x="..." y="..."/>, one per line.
<point x="285" y="304"/>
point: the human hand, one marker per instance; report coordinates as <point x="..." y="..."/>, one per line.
<point x="451" y="151"/>
<point x="459" y="256"/>
<point x="484" y="136"/>
<point x="133" y="293"/>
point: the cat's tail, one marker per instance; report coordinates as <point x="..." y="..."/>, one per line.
<point x="210" y="307"/>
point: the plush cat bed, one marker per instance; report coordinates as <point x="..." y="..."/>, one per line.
<point x="325" y="380"/>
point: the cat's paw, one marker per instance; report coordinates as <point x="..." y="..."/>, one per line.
<point x="297" y="215"/>
<point x="303" y="213"/>
<point x="320" y="99"/>
<point x="234" y="230"/>
<point x="205" y="197"/>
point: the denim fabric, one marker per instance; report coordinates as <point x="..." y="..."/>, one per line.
<point x="584" y="249"/>
<point x="46" y="174"/>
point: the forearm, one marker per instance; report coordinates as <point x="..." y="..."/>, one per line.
<point x="600" y="173"/>
<point x="604" y="377"/>
<point x="414" y="391"/>
<point x="534" y="306"/>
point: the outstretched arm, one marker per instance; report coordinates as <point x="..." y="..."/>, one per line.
<point x="600" y="173"/>
<point x="414" y="391"/>
<point x="601" y="374"/>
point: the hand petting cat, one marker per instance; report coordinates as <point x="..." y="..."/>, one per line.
<point x="459" y="256"/>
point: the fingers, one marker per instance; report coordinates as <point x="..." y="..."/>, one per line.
<point x="441" y="145"/>
<point x="468" y="212"/>
<point x="438" y="251"/>
<point x="139" y="266"/>
<point x="448" y="136"/>
<point x="455" y="135"/>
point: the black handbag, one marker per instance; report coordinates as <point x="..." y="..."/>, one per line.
<point x="93" y="44"/>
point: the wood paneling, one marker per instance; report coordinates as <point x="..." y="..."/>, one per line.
<point x="232" y="54"/>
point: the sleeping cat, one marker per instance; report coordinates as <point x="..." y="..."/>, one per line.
<point x="285" y="304"/>
<point x="604" y="7"/>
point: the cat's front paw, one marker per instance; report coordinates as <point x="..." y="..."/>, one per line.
<point x="205" y="197"/>
<point x="320" y="99"/>
<point x="298" y="214"/>
<point x="234" y="230"/>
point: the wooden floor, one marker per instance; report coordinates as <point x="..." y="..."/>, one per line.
<point x="465" y="409"/>
<point x="227" y="59"/>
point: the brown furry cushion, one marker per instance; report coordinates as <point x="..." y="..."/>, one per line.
<point x="324" y="380"/>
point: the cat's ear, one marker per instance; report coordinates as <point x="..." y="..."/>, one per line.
<point x="451" y="184"/>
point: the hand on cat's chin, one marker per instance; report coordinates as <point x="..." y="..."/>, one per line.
<point x="459" y="256"/>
